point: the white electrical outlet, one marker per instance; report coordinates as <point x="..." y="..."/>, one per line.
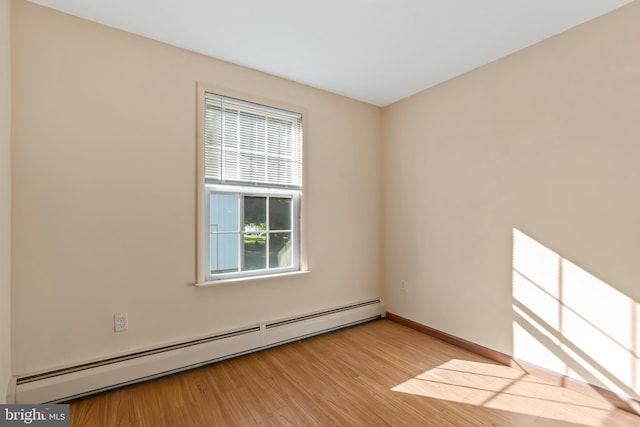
<point x="403" y="286"/>
<point x="120" y="322"/>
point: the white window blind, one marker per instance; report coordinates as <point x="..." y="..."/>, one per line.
<point x="248" y="143"/>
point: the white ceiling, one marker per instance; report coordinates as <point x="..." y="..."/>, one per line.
<point x="377" y="51"/>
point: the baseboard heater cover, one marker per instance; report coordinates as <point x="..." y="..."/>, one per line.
<point x="84" y="379"/>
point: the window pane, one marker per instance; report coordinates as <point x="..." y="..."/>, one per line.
<point x="250" y="143"/>
<point x="229" y="164"/>
<point x="255" y="213"/>
<point x="252" y="167"/>
<point x="230" y="129"/>
<point x="252" y="131"/>
<point x="279" y="250"/>
<point x="223" y="253"/>
<point x="280" y="213"/>
<point x="279" y="170"/>
<point x="280" y="136"/>
<point x="223" y="212"/>
<point x="213" y="139"/>
<point x="255" y="251"/>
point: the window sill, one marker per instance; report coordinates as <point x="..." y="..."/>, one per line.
<point x="250" y="279"/>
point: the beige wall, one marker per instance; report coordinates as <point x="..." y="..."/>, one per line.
<point x="104" y="195"/>
<point x="5" y="196"/>
<point x="509" y="198"/>
<point x="544" y="142"/>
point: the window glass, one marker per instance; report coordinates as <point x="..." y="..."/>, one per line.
<point x="252" y="180"/>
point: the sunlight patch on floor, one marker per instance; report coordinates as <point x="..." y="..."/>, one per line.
<point x="508" y="389"/>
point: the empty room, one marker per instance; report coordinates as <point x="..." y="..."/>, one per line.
<point x="355" y="212"/>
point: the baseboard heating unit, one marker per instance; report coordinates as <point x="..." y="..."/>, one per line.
<point x="80" y="380"/>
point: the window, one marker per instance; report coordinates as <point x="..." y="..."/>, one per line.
<point x="252" y="185"/>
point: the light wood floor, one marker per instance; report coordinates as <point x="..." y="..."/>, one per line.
<point x="376" y="374"/>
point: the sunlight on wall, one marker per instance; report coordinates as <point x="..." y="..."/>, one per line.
<point x="571" y="322"/>
<point x="565" y="320"/>
<point x="506" y="389"/>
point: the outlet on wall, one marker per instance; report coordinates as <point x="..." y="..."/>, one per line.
<point x="403" y="286"/>
<point x="120" y="322"/>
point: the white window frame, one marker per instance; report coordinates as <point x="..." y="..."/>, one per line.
<point x="204" y="188"/>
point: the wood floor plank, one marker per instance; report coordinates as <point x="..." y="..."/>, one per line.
<point x="375" y="374"/>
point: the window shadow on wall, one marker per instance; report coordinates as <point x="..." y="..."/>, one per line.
<point x="569" y="321"/>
